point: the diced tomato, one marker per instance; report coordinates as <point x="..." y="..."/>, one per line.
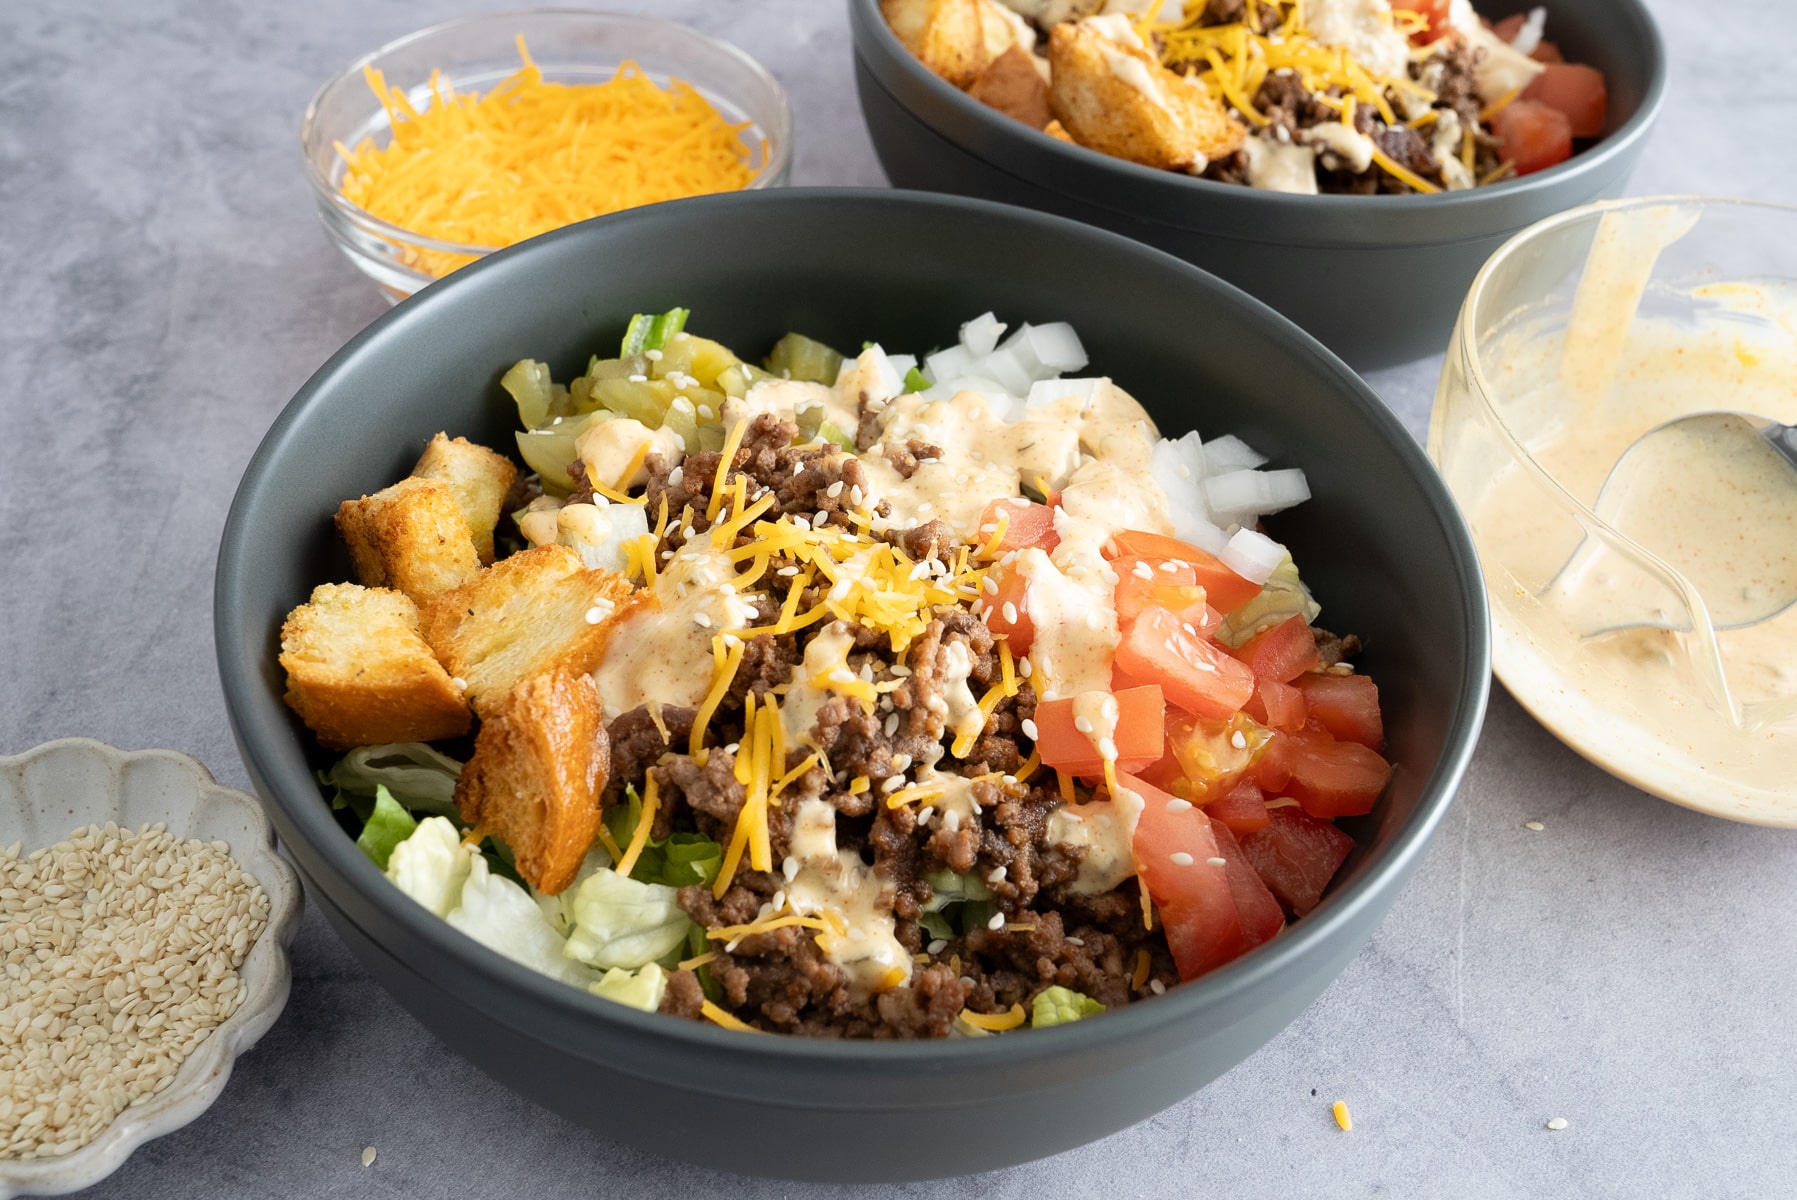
<point x="1281" y="653"/>
<point x="1140" y="734"/>
<point x="1547" y="52"/>
<point x="1026" y="524"/>
<point x="1510" y="26"/>
<point x="1329" y="778"/>
<point x="1296" y="856"/>
<point x="1535" y="137"/>
<point x="1575" y="90"/>
<point x="1169" y="584"/>
<point x="1213" y="754"/>
<point x="1007" y="612"/>
<point x="1277" y="706"/>
<point x="1195" y="674"/>
<point x="1242" y="808"/>
<point x="1174" y="846"/>
<point x="1255" y="904"/>
<point x="1433" y="11"/>
<point x="1225" y="590"/>
<point x="1347" y="706"/>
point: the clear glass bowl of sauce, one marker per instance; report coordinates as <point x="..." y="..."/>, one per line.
<point x="1581" y="334"/>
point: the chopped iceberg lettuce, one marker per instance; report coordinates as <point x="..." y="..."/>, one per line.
<point x="431" y="865"/>
<point x="559" y="908"/>
<point x="422" y="780"/>
<point x="501" y="916"/>
<point x="679" y="860"/>
<point x="1284" y="595"/>
<point x="388" y="825"/>
<point x="1059" y="1005"/>
<point x="640" y="989"/>
<point x="619" y="922"/>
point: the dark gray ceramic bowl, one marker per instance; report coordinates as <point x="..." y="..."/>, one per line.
<point x="1381" y="543"/>
<point x="1377" y="279"/>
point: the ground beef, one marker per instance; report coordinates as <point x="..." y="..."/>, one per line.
<point x="637" y="742"/>
<point x="905" y="458"/>
<point x="1452" y="74"/>
<point x="1330" y="648"/>
<point x="684" y="995"/>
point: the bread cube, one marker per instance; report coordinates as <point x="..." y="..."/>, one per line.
<point x="1115" y="97"/>
<point x="533" y="612"/>
<point x="411" y="537"/>
<point x="947" y="36"/>
<point x="479" y="478"/>
<point x="539" y="764"/>
<point x="1011" y="84"/>
<point x="359" y="674"/>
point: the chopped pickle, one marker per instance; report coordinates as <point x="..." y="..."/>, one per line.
<point x="701" y="358"/>
<point x="796" y="356"/>
<point x="1283" y="596"/>
<point x="549" y="451"/>
<point x="641" y="400"/>
<point x="528" y="383"/>
<point x="681" y="420"/>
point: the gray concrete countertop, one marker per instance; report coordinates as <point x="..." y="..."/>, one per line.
<point x="1629" y="967"/>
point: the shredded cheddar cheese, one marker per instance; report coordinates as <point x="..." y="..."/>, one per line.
<point x="640" y="837"/>
<point x="718" y="1016"/>
<point x="488" y="170"/>
<point x="1011" y="1018"/>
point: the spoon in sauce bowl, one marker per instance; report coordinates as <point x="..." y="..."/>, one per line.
<point x="1713" y="496"/>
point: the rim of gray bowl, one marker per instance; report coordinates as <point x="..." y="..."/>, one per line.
<point x="298" y="795"/>
<point x="1333" y="217"/>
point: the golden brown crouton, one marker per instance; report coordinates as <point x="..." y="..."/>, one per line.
<point x="479" y="478"/>
<point x="532" y="612"/>
<point x="1058" y="131"/>
<point x="1116" y="98"/>
<point x="1011" y="84"/>
<point x="539" y="765"/>
<point x="1000" y="29"/>
<point x="411" y="537"/>
<point x="948" y="36"/>
<point x="358" y="673"/>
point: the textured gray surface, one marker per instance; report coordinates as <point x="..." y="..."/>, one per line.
<point x="1630" y="967"/>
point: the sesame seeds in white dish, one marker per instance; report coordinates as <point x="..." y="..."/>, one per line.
<point x="144" y="914"/>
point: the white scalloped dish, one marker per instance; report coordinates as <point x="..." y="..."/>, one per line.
<point x="49" y="792"/>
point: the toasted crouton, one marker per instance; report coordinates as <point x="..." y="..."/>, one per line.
<point x="948" y="36"/>
<point x="1011" y="84"/>
<point x="411" y="537"/>
<point x="539" y="764"/>
<point x="479" y="478"/>
<point x="1058" y="132"/>
<point x="1000" y="29"/>
<point x="527" y="614"/>
<point x="1115" y="97"/>
<point x="358" y="673"/>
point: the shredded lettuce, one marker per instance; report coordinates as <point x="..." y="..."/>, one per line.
<point x="559" y="908"/>
<point x="431" y="865"/>
<point x="679" y="860"/>
<point x="619" y="922"/>
<point x="501" y="916"/>
<point x="948" y="888"/>
<point x="1283" y="596"/>
<point x="388" y="825"/>
<point x="418" y="777"/>
<point x="1059" y="1005"/>
<point x="936" y="924"/>
<point x="640" y="989"/>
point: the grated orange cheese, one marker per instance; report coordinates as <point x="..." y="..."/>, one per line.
<point x="727" y="656"/>
<point x="488" y="170"/>
<point x="1011" y="1018"/>
<point x="640" y="837"/>
<point x="718" y="1016"/>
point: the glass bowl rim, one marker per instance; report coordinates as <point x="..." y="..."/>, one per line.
<point x="779" y="139"/>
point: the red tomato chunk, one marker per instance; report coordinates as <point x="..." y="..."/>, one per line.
<point x="1140" y="733"/>
<point x="1277" y="706"/>
<point x="1535" y="137"/>
<point x="1575" y="90"/>
<point x="1347" y="706"/>
<point x="1007" y="611"/>
<point x="1243" y="809"/>
<point x="1281" y="653"/>
<point x="1194" y="673"/>
<point x="1296" y="856"/>
<point x="1174" y="848"/>
<point x="1025" y="524"/>
<point x="1329" y="778"/>
<point x="1225" y="590"/>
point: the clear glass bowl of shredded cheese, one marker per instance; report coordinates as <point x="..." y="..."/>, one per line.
<point x="1584" y="332"/>
<point x="467" y="137"/>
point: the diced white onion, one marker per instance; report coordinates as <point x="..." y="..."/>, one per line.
<point x="1177" y="465"/>
<point x="944" y="365"/>
<point x="1046" y="391"/>
<point x="1255" y="493"/>
<point x="1252" y="555"/>
<point x="891" y="380"/>
<point x="902" y="363"/>
<point x="1230" y="453"/>
<point x="979" y="337"/>
<point x="1007" y="367"/>
<point x="1055" y="346"/>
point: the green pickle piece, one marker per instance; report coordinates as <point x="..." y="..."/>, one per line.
<point x="550" y="451"/>
<point x="701" y="358"/>
<point x="640" y="400"/>
<point x="796" y="356"/>
<point x="530" y="388"/>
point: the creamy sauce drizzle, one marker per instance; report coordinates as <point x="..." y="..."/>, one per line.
<point x="1280" y="167"/>
<point x="825" y="665"/>
<point x="1104" y="829"/>
<point x="1651" y="704"/>
<point x="662" y="654"/>
<point x="832" y="881"/>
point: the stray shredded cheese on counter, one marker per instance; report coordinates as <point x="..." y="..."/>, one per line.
<point x="529" y="156"/>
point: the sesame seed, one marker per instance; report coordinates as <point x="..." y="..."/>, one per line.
<point x="928" y="811"/>
<point x="1238" y="741"/>
<point x="702" y="620"/>
<point x="893" y="784"/>
<point x="1143" y="570"/>
<point x="595" y="615"/>
<point x="834" y="490"/>
<point x="1157" y="987"/>
<point x="788" y="572"/>
<point x="936" y="947"/>
<point x="706" y="412"/>
<point x="368" y="1156"/>
<point x="779" y="900"/>
<point x="687" y="532"/>
<point x="1084" y="725"/>
<point x="1010" y="613"/>
<point x="459" y="682"/>
<point x="733" y="747"/>
<point x="790" y="868"/>
<point x="997" y="922"/>
<point x="639" y="379"/>
<point x="1024" y="668"/>
<point x="1029" y="729"/>
<point x="1217" y="862"/>
<point x="1176" y="804"/>
<point x="989" y="585"/>
<point x="675" y="476"/>
<point x="1557" y="1124"/>
<point x="1189" y="628"/>
<point x="901" y="762"/>
<point x="1533" y="826"/>
<point x="652" y="355"/>
<point x="1181" y="858"/>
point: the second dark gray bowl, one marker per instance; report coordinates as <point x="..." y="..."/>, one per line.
<point x="1377" y="279"/>
<point x="1382" y="544"/>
